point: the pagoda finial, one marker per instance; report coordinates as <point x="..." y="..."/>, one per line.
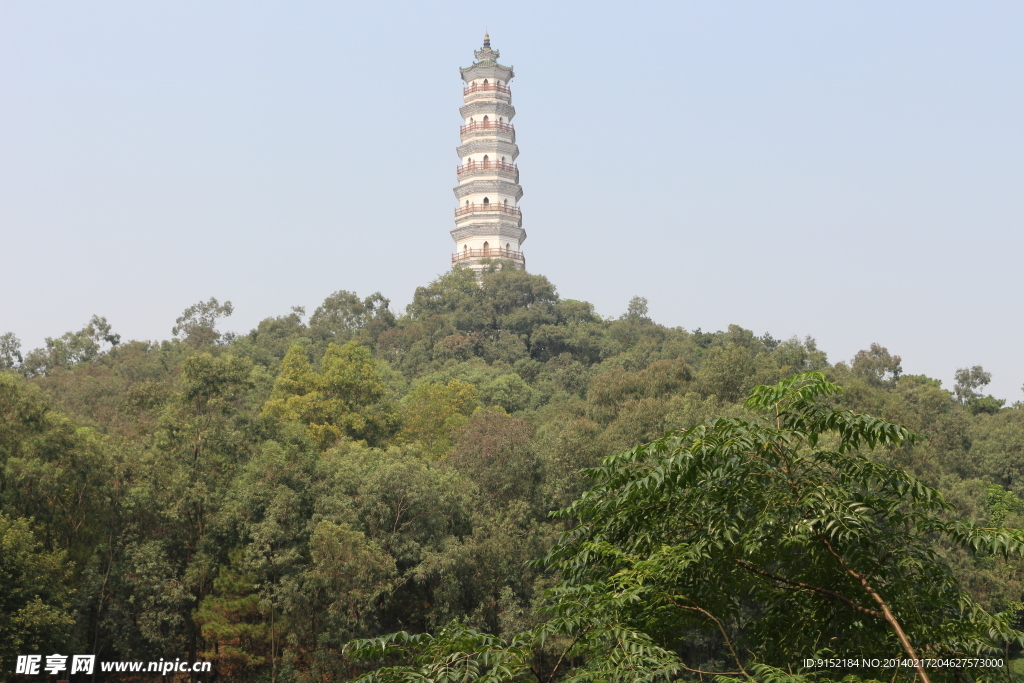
<point x="487" y="40"/>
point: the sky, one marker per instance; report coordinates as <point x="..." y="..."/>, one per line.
<point x="849" y="170"/>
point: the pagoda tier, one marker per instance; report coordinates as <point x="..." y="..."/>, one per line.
<point x="488" y="221"/>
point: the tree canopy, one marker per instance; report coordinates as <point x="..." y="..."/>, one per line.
<point x="262" y="498"/>
<point x="776" y="538"/>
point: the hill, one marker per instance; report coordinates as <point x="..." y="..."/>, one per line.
<point x="259" y="500"/>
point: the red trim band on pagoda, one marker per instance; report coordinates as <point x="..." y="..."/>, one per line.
<point x="488" y="126"/>
<point x="487" y="87"/>
<point x="467" y="254"/>
<point x="500" y="208"/>
<point x="498" y="168"/>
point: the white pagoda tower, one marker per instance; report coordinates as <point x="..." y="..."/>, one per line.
<point x="488" y="222"/>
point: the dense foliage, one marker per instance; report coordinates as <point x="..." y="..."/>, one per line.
<point x="262" y="499"/>
<point x="772" y="540"/>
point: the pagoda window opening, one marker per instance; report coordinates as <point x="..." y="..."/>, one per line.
<point x="487" y="249"/>
<point x="508" y="246"/>
<point x="487" y="121"/>
<point x="486" y="201"/>
<point x="486" y="160"/>
<point x="485" y="81"/>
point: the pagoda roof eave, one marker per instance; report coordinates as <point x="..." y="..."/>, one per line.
<point x="488" y="65"/>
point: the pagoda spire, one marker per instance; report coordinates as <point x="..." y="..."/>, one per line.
<point x="488" y="221"/>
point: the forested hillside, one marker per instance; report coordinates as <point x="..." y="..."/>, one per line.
<point x="261" y="499"/>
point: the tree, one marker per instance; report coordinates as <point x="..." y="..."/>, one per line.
<point x="71" y="348"/>
<point x="339" y="594"/>
<point x="411" y="507"/>
<point x="968" y="383"/>
<point x="232" y="623"/>
<point x="197" y="523"/>
<point x="435" y="411"/>
<point x="344" y="399"/>
<point x="494" y="451"/>
<point x="197" y="325"/>
<point x="201" y="443"/>
<point x="342" y="314"/>
<point x="637" y="309"/>
<point x="509" y="391"/>
<point x="727" y="372"/>
<point x="269" y="342"/>
<point x="877" y="366"/>
<point x="503" y="299"/>
<point x="35" y="602"/>
<point x="50" y="470"/>
<point x="10" y="351"/>
<point x="736" y="549"/>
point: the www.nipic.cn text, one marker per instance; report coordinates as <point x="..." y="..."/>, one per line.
<point x="34" y="665"/>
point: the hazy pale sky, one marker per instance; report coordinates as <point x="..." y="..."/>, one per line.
<point x="848" y="170"/>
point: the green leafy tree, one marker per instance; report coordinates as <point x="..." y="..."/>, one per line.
<point x="200" y="444"/>
<point x="269" y="342"/>
<point x="35" y="602"/>
<point x="197" y="325"/>
<point x="342" y="315"/>
<point x="146" y="608"/>
<point x="10" y="351"/>
<point x="195" y="510"/>
<point x="503" y="299"/>
<point x="726" y="372"/>
<point x="494" y="451"/>
<point x="338" y="595"/>
<point x="433" y="412"/>
<point x="637" y="310"/>
<point x="345" y="399"/>
<point x="772" y="539"/>
<point x="877" y="365"/>
<point x="411" y="507"/>
<point x="996" y="445"/>
<point x="969" y="382"/>
<point x="509" y="391"/>
<point x="232" y="623"/>
<point x="793" y="356"/>
<point x="71" y="348"/>
<point x="50" y="470"/>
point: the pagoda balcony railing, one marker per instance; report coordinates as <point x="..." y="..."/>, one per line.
<point x="510" y="254"/>
<point x="488" y="128"/>
<point x="487" y="87"/>
<point x="489" y="208"/>
<point x="478" y="92"/>
<point x="489" y="167"/>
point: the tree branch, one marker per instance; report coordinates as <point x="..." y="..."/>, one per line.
<point x="712" y="617"/>
<point x="813" y="589"/>
<point x="889" y="617"/>
<point x="565" y="652"/>
<point x="713" y="673"/>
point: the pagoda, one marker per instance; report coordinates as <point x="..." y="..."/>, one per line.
<point x="488" y="222"/>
